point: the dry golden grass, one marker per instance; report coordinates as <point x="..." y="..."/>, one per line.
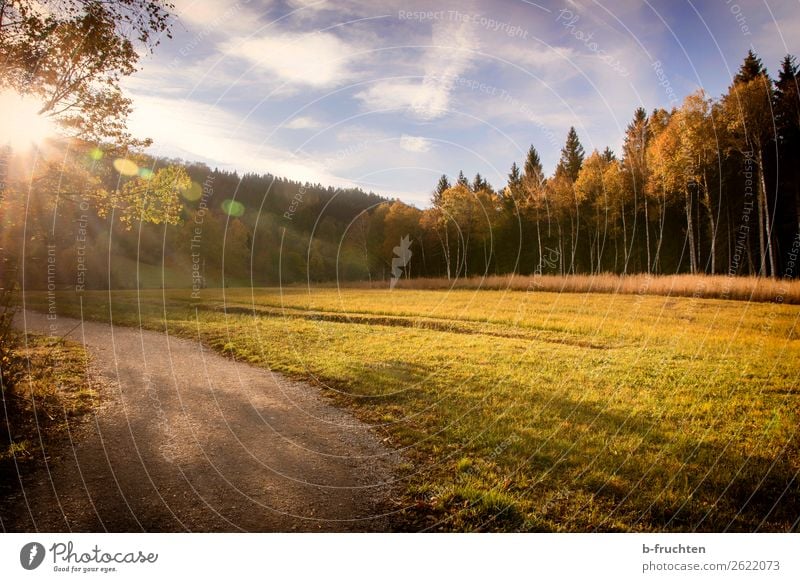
<point x="699" y="286"/>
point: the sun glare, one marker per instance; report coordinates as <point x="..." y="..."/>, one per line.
<point x="21" y="126"/>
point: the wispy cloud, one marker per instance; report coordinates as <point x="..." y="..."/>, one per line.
<point x="303" y="122"/>
<point x="316" y="59"/>
<point x="414" y="143"/>
<point x="427" y="96"/>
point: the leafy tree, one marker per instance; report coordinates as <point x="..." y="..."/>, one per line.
<point x="154" y="199"/>
<point x="700" y="150"/>
<point x="73" y="54"/>
<point x="590" y="188"/>
<point x="469" y="212"/>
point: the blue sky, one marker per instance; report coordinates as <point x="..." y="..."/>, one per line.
<point x="390" y="95"/>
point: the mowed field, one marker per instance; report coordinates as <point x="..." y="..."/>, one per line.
<point x="526" y="411"/>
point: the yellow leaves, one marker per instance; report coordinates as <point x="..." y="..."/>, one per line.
<point x="155" y="198"/>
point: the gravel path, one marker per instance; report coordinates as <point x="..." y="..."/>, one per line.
<point x="187" y="440"/>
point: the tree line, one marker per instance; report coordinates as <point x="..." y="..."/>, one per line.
<point x="709" y="187"/>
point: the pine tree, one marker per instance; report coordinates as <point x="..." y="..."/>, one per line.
<point x="787" y="119"/>
<point x="441" y="186"/>
<point x="634" y="163"/>
<point x="514" y="176"/>
<point x="479" y="183"/>
<point x="462" y="180"/>
<point x="572" y="155"/>
<point x="535" y="200"/>
<point x="533" y="167"/>
<point x="751" y="68"/>
<point x="608" y="155"/>
<point x="513" y="193"/>
<point x="747" y="111"/>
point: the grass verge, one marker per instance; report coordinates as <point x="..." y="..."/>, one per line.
<point x="49" y="390"/>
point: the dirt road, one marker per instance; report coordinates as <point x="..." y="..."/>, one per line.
<point x="187" y="440"/>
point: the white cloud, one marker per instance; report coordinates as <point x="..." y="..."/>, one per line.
<point x="316" y="59"/>
<point x="413" y="143"/>
<point x="303" y="122"/>
<point x="212" y="17"/>
<point x="426" y="99"/>
<point x="449" y="55"/>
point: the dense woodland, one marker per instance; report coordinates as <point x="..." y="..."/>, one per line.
<point x="709" y="187"/>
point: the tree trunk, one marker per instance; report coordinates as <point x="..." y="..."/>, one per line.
<point x="624" y="242"/>
<point x="647" y="232"/>
<point x="711" y="223"/>
<point x="690" y="231"/>
<point x="762" y="256"/>
<point x="767" y="219"/>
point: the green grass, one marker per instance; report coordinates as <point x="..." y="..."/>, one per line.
<point x="534" y="411"/>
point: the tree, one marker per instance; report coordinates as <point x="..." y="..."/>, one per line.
<point x="747" y="113"/>
<point x="667" y="160"/>
<point x="787" y="119"/>
<point x="535" y="201"/>
<point x="617" y="195"/>
<point x="479" y="183"/>
<point x="73" y="54"/>
<point x="462" y="180"/>
<point x="751" y="69"/>
<point x="567" y="170"/>
<point x="699" y="148"/>
<point x="441" y="186"/>
<point x="634" y="163"/>
<point x="514" y="189"/>
<point x="400" y="221"/>
<point x="469" y="211"/>
<point x="572" y="155"/>
<point x="590" y="188"/>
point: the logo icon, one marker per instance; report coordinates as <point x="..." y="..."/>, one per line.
<point x="31" y="555"/>
<point x="402" y="257"/>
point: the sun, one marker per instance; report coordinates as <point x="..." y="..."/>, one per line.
<point x="21" y="125"/>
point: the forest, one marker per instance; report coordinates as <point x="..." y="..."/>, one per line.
<point x="710" y="187"/>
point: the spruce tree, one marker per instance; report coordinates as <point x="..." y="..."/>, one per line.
<point x="750" y="69"/>
<point x="533" y="166"/>
<point x="480" y="183"/>
<point x="571" y="156"/>
<point x="441" y="186"/>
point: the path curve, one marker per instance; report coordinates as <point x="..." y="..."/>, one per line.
<point x="187" y="440"/>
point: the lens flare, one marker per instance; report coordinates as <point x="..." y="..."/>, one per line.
<point x="233" y="208"/>
<point x="21" y="125"/>
<point x="145" y="173"/>
<point x="126" y="167"/>
<point x="193" y="192"/>
<point x="96" y="154"/>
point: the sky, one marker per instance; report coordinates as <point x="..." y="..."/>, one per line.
<point x="389" y="95"/>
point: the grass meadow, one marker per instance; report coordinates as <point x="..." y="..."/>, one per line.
<point x="531" y="411"/>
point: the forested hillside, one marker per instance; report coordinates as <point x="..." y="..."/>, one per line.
<point x="709" y="187"/>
